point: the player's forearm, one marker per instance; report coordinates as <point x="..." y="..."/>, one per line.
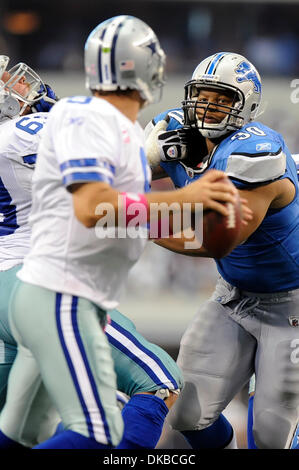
<point x="182" y="246"/>
<point x="175" y="198"/>
<point x="91" y="200"/>
<point x="94" y="201"/>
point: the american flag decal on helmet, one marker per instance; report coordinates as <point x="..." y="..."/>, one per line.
<point x="126" y="65"/>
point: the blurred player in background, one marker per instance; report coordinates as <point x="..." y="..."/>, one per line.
<point x="22" y="92"/>
<point x="142" y="368"/>
<point x="249" y="324"/>
<point x="70" y="278"/>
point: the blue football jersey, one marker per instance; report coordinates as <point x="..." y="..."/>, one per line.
<point x="268" y="261"/>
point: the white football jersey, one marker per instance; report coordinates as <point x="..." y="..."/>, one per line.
<point x="19" y="139"/>
<point x="86" y="140"/>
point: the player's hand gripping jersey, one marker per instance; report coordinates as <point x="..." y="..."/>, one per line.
<point x="252" y="156"/>
<point x="19" y="139"/>
<point x="83" y="270"/>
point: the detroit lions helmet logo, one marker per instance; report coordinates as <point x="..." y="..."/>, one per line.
<point x="248" y="73"/>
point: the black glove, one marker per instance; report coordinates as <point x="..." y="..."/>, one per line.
<point x="185" y="143"/>
<point x="194" y="143"/>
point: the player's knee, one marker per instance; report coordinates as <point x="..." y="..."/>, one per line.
<point x="271" y="430"/>
<point x="187" y="414"/>
<point x="287" y="373"/>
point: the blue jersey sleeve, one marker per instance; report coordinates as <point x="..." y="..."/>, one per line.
<point x="175" y="115"/>
<point x="256" y="155"/>
<point x="296" y="160"/>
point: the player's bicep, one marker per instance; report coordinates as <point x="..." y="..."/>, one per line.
<point x="259" y="200"/>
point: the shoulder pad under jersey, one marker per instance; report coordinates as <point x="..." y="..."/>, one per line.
<point x="257" y="159"/>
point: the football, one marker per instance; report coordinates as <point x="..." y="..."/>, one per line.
<point x="220" y="232"/>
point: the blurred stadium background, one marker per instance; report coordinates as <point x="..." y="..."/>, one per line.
<point x="165" y="289"/>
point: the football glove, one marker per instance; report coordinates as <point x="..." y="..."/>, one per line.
<point x="194" y="143"/>
<point x="177" y="144"/>
<point x="163" y="146"/>
<point x="45" y="104"/>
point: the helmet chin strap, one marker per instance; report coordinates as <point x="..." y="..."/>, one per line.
<point x="213" y="133"/>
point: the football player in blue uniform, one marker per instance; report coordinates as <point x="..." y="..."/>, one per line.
<point x="250" y="324"/>
<point x="250" y="438"/>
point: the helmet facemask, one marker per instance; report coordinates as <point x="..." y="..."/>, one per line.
<point x="36" y="89"/>
<point x="232" y="120"/>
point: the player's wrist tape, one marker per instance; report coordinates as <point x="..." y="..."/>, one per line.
<point x="134" y="205"/>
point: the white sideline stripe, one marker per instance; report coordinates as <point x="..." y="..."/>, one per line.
<point x="107" y="43"/>
<point x="140" y="354"/>
<point x="81" y="373"/>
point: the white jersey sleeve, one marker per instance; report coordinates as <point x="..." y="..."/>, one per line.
<point x="19" y="140"/>
<point x="86" y="145"/>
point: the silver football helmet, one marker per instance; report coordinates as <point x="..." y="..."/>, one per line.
<point x="13" y="103"/>
<point x="226" y="72"/>
<point x="9" y="107"/>
<point x="124" y="53"/>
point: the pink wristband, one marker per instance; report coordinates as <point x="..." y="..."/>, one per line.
<point x="135" y="205"/>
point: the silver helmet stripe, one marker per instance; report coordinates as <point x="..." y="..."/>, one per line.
<point x="107" y="52"/>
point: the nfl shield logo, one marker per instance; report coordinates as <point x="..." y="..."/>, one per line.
<point x="190" y="172"/>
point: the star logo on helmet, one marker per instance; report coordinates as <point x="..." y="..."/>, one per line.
<point x="152" y="46"/>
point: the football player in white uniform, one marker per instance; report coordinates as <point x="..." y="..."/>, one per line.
<point x="91" y="151"/>
<point x="144" y="371"/>
<point x="21" y="93"/>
